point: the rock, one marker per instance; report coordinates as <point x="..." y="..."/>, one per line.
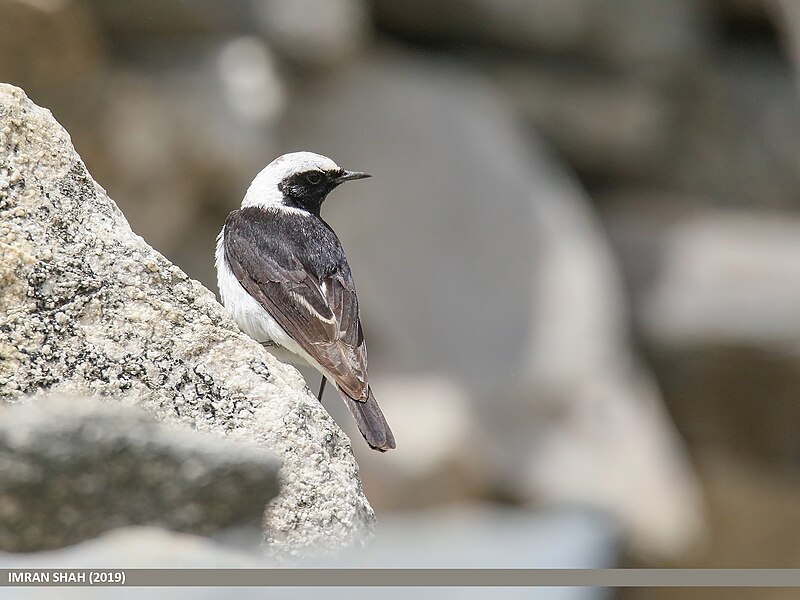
<point x="336" y="32"/>
<point x="724" y="279"/>
<point x="549" y="24"/>
<point x="720" y="320"/>
<point x="598" y="414"/>
<point x="652" y="37"/>
<point x="308" y="32"/>
<point x="434" y="469"/>
<point x="637" y="219"/>
<point x="639" y="34"/>
<point x="755" y="510"/>
<point x="124" y="22"/>
<point x="173" y="142"/>
<point x="70" y="470"/>
<point x="611" y="127"/>
<point x="755" y="12"/>
<point x="89" y="309"/>
<point x="739" y="132"/>
<point x="478" y="258"/>
<point x="786" y="16"/>
<point x="46" y="46"/>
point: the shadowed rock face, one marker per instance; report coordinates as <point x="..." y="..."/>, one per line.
<point x="89" y="309"/>
<point x="72" y="469"/>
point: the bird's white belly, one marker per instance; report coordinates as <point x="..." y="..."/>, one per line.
<point x="251" y="316"/>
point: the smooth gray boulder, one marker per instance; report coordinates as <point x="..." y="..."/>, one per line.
<point x="493" y="306"/>
<point x="89" y="309"/>
<point x="71" y="469"/>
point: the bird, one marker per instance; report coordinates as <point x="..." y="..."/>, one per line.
<point x="284" y="277"/>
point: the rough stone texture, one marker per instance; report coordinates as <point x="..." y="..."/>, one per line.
<point x="509" y="294"/>
<point x="89" y="309"/>
<point x="71" y="469"/>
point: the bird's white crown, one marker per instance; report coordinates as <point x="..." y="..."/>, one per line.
<point x="264" y="189"/>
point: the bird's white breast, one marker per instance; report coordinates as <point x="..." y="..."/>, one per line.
<point x="250" y="315"/>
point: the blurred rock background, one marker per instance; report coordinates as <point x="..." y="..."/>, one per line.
<point x="577" y="258"/>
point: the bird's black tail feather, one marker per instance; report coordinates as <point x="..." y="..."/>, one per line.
<point x="371" y="422"/>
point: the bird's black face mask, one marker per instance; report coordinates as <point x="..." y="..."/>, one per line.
<point x="308" y="190"/>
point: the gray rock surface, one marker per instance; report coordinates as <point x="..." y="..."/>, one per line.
<point x="71" y="469"/>
<point x="89" y="309"/>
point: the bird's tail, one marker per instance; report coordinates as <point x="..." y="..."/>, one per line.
<point x="371" y="422"/>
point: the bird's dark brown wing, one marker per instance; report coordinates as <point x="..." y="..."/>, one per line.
<point x="295" y="267"/>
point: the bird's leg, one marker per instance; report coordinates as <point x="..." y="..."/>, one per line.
<point x="321" y="388"/>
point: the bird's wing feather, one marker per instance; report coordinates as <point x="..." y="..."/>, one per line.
<point x="310" y="294"/>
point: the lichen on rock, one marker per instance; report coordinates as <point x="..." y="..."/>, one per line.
<point x="89" y="309"/>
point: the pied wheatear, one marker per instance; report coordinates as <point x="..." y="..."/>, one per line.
<point x="283" y="276"/>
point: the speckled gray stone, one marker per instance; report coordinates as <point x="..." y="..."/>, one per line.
<point x="89" y="309"/>
<point x="71" y="469"/>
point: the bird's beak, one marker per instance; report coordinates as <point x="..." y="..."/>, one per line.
<point x="350" y="176"/>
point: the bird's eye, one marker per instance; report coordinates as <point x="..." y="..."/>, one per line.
<point x="314" y="178"/>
